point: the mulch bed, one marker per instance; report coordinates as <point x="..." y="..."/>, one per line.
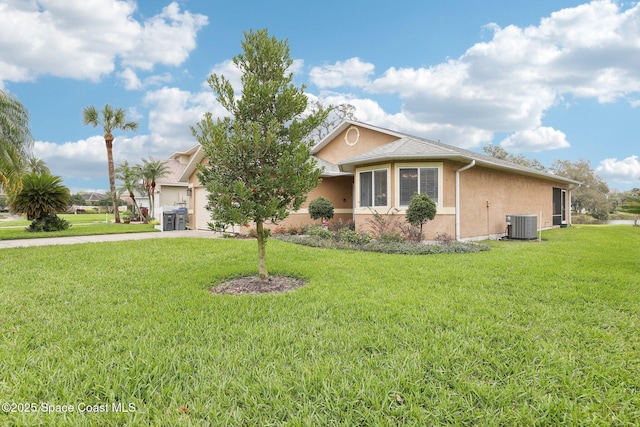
<point x="252" y="285"/>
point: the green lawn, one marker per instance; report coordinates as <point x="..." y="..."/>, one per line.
<point x="81" y="225"/>
<point x="529" y="333"/>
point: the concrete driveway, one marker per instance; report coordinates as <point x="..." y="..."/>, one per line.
<point x="47" y="241"/>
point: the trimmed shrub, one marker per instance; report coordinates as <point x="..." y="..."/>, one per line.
<point x="47" y="223"/>
<point x="353" y="237"/>
<point x="319" y="231"/>
<point x="394" y="237"/>
<point x="339" y="225"/>
<point x="321" y="208"/>
<point x="421" y="209"/>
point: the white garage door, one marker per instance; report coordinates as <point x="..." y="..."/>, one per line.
<point x="203" y="216"/>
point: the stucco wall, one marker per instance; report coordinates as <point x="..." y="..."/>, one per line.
<point x="339" y="149"/>
<point x="487" y="196"/>
<point x="337" y="189"/>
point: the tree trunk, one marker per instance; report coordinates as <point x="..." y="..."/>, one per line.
<point x="135" y="205"/>
<point x="262" y="254"/>
<point x="152" y="198"/>
<point x="108" y="139"/>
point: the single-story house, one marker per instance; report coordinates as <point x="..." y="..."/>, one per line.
<point x="368" y="169"/>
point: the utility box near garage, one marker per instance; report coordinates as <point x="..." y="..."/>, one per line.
<point x="524" y="227"/>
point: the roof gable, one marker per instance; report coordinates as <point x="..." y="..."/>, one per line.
<point x="408" y="147"/>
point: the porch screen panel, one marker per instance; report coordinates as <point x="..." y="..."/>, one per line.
<point x="408" y="184"/>
<point x="366" y="184"/>
<point x="380" y="187"/>
<point x="557" y="206"/>
<point x="429" y="182"/>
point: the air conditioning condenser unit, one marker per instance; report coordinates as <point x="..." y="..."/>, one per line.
<point x="523" y="227"/>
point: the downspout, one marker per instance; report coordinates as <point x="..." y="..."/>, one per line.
<point x="469" y="166"/>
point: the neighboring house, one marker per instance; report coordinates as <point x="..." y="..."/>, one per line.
<point x="92" y="198"/>
<point x="369" y="169"/>
<point x="172" y="190"/>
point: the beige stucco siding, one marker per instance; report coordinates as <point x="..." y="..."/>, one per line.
<point x="365" y="140"/>
<point x="337" y="189"/>
<point x="488" y="195"/>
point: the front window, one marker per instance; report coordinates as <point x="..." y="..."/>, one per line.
<point x="373" y="188"/>
<point x="418" y="180"/>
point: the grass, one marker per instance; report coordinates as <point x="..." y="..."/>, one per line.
<point x="81" y="225"/>
<point x="529" y="333"/>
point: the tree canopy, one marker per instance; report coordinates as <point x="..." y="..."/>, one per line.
<point x="16" y="141"/>
<point x="41" y="195"/>
<point x="259" y="163"/>
<point x="151" y="171"/>
<point x="591" y="195"/>
<point x="500" y="153"/>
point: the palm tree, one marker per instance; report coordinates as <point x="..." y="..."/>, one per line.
<point x="130" y="177"/>
<point x="15" y="141"/>
<point x="110" y="120"/>
<point x="41" y="195"/>
<point x="39" y="166"/>
<point x="152" y="170"/>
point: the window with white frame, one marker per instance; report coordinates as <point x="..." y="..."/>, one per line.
<point x="373" y="188"/>
<point x="423" y="180"/>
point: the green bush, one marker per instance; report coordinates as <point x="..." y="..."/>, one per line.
<point x="319" y="231"/>
<point x="340" y="224"/>
<point x="406" y="247"/>
<point x="321" y="208"/>
<point x="47" y="223"/>
<point x="353" y="237"/>
<point x="394" y="237"/>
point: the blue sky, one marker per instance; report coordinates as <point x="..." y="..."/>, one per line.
<point x="550" y="80"/>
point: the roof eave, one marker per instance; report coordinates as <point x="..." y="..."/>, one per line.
<point x="350" y="167"/>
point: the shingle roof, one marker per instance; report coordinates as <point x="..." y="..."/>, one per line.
<point x="409" y="147"/>
<point x="330" y="169"/>
<point x="174" y="169"/>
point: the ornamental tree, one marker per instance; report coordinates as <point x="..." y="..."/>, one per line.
<point x="321" y="208"/>
<point x="259" y="164"/>
<point x="420" y="210"/>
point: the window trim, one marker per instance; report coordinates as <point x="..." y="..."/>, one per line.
<point x="367" y="209"/>
<point x="437" y="165"/>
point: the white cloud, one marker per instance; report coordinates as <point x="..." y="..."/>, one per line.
<point x="229" y="70"/>
<point x="625" y="171"/>
<point x="166" y="38"/>
<point x="87" y="158"/>
<point x="508" y="83"/>
<point x="131" y="81"/>
<point x="83" y="39"/>
<point x="173" y="111"/>
<point x="352" y="72"/>
<point x="536" y="140"/>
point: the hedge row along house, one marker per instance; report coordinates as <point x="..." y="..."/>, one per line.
<point x="369" y="169"/>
